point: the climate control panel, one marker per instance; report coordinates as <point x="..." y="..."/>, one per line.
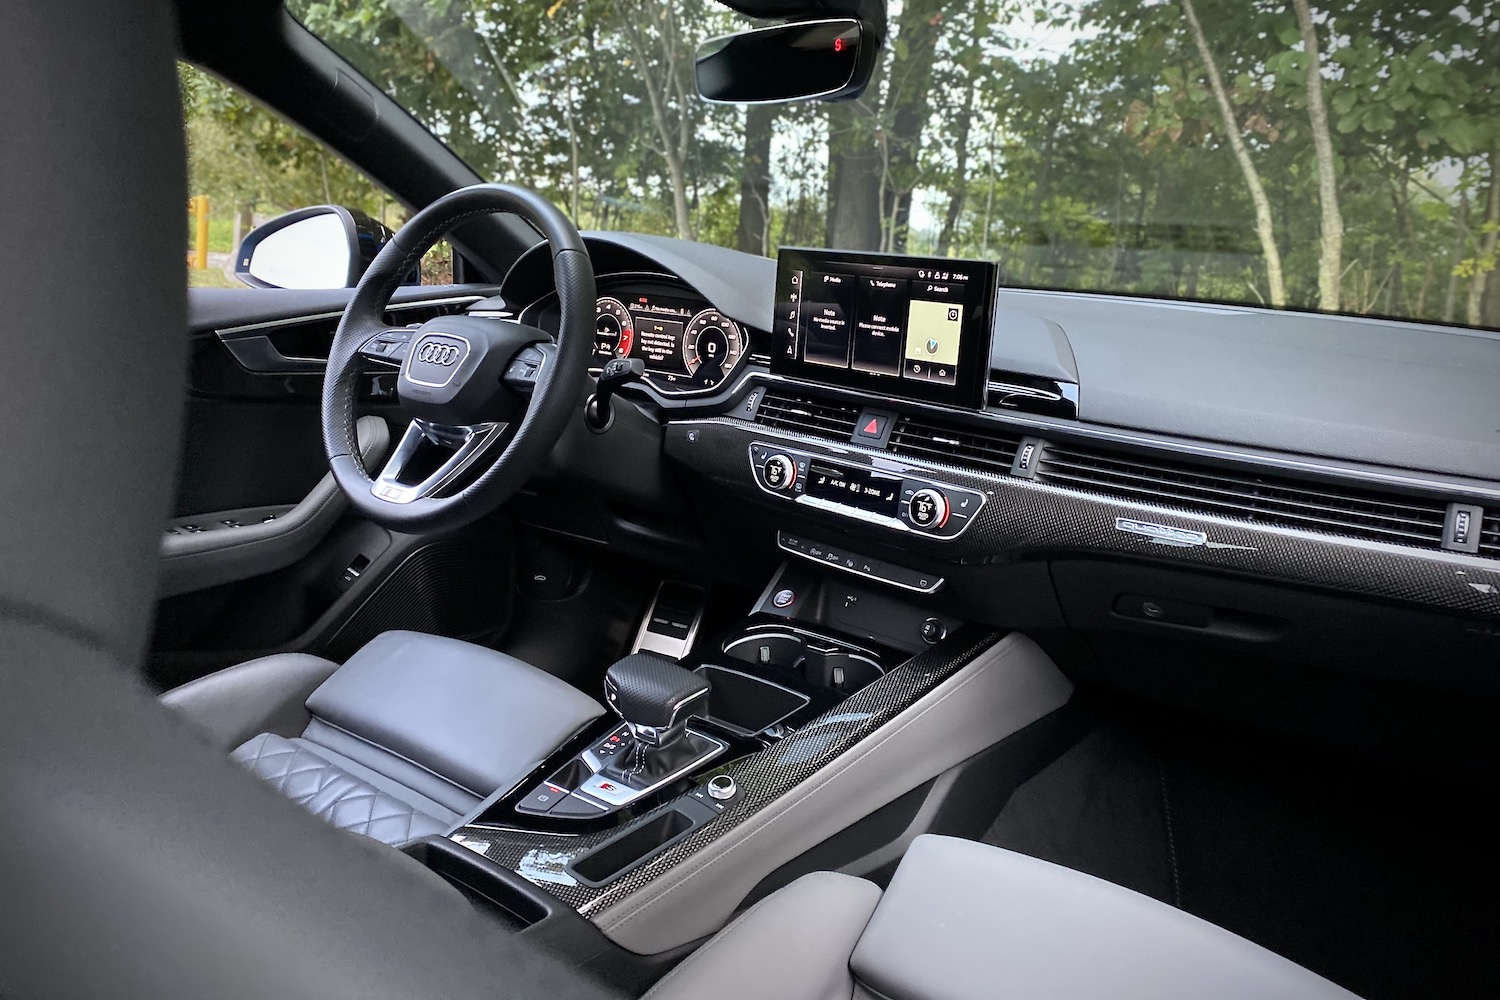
<point x="892" y="500"/>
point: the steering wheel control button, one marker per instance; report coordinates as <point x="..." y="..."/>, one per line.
<point x="722" y="787"/>
<point x="928" y="509"/>
<point x="784" y="598"/>
<point x="542" y="799"/>
<point x="780" y="472"/>
<point x="933" y="632"/>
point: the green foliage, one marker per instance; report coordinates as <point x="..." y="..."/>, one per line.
<point x="1077" y="142"/>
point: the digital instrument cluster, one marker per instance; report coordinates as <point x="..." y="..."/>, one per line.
<point x="685" y="346"/>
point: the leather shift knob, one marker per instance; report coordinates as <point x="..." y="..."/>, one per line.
<point x="655" y="695"/>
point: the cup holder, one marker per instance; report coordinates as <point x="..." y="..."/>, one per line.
<point x="820" y="660"/>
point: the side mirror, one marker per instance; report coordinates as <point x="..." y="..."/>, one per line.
<point x="326" y="246"/>
<point x="824" y="60"/>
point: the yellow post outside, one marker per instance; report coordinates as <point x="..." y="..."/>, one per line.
<point x="198" y="206"/>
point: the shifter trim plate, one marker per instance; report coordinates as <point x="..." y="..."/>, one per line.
<point x="615" y="794"/>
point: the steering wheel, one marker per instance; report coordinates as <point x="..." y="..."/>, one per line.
<point x="488" y="397"/>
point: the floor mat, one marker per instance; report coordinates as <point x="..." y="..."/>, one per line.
<point x="1381" y="881"/>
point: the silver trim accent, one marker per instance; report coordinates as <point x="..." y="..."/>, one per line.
<point x="647" y="641"/>
<point x="272" y="324"/>
<point x="780" y="631"/>
<point x="940" y="580"/>
<point x="469" y="443"/>
<point x="411" y="356"/>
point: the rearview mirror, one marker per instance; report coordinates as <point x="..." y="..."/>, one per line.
<point x="824" y="60"/>
<point x="326" y="246"/>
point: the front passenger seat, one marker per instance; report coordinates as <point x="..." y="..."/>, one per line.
<point x="966" y="921"/>
<point x="402" y="741"/>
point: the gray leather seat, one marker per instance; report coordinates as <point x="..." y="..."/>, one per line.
<point x="402" y="741"/>
<point x="964" y="921"/>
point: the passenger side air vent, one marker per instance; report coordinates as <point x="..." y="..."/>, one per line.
<point x="1271" y="500"/>
<point x="954" y="444"/>
<point x="1489" y="537"/>
<point x="798" y="413"/>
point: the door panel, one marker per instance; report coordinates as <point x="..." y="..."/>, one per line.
<point x="284" y="573"/>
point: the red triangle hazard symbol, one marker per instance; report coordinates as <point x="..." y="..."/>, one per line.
<point x="872" y="428"/>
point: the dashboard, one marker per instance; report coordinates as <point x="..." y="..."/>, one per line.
<point x="1353" y="457"/>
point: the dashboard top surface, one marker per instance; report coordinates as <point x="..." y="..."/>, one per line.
<point x="1401" y="395"/>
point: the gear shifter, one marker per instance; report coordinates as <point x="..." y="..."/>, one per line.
<point x="655" y="697"/>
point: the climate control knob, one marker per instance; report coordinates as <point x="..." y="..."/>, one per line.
<point x="780" y="472"/>
<point x="928" y="509"/>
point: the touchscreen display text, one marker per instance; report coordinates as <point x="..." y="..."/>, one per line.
<point x="907" y="326"/>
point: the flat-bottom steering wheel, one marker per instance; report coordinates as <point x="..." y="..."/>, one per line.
<point x="488" y="397"/>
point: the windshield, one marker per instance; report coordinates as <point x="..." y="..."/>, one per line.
<point x="1336" y="157"/>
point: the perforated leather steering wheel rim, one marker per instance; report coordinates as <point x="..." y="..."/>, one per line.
<point x="559" y="386"/>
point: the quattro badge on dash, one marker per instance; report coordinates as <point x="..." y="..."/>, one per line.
<point x="1165" y="534"/>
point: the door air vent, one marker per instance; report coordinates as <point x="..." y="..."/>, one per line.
<point x="1261" y="499"/>
<point x="954" y="444"/>
<point x="798" y="413"/>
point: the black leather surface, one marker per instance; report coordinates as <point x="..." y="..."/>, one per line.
<point x="209" y="558"/>
<point x="137" y="861"/>
<point x="473" y="715"/>
<point x="646" y="687"/>
<point x="297" y="770"/>
<point x="264" y="695"/>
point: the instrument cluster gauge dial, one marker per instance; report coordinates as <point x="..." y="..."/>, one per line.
<point x="711" y="346"/>
<point x="614" y="330"/>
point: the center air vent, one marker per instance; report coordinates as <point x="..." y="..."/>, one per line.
<point x="1273" y="500"/>
<point x="955" y="444"/>
<point x="798" y="413"/>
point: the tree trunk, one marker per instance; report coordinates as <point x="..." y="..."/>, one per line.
<point x="1331" y="248"/>
<point x="1264" y="229"/>
<point x="907" y="110"/>
<point x="755" y="180"/>
<point x="1474" y="314"/>
<point x="853" y="179"/>
<point x="663" y="79"/>
<point x="1460" y="240"/>
<point x="1039" y="201"/>
<point x="960" y="188"/>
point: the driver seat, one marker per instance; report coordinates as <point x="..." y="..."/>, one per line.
<point x="402" y="741"/>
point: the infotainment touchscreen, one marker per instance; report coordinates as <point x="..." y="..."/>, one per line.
<point x="901" y="326"/>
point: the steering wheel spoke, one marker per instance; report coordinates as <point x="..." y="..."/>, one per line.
<point x="390" y="345"/>
<point x="527" y="366"/>
<point x="430" y="457"/>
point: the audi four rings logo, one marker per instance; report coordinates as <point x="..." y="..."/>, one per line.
<point x="436" y="353"/>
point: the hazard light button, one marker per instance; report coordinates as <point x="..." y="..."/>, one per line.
<point x="873" y="428"/>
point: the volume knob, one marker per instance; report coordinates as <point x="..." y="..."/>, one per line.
<point x="928" y="509"/>
<point x="780" y="472"/>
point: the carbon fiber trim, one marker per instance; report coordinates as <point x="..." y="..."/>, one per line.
<point x="762" y="778"/>
<point x="1027" y="520"/>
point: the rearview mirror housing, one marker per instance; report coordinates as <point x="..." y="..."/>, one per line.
<point x="828" y="59"/>
<point x="325" y="246"/>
